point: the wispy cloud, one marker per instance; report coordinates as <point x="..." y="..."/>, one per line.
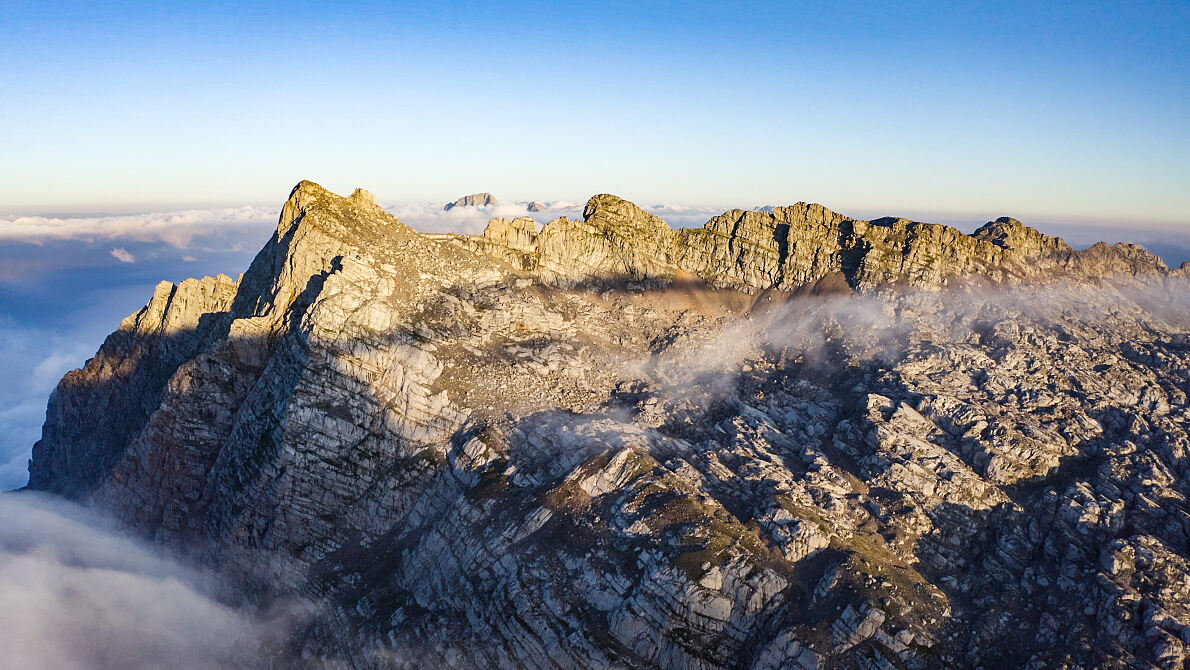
<point x="177" y="228"/>
<point x="77" y="595"/>
<point x="34" y="359"/>
<point x="681" y="216"/>
<point x="429" y="217"/>
<point x="878" y="328"/>
<point x="123" y="255"/>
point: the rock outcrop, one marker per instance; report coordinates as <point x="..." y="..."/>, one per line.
<point x="473" y="200"/>
<point x="789" y="247"/>
<point x="788" y="439"/>
<point x="536" y="206"/>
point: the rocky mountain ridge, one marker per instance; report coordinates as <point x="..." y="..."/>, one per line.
<point x="788" y="247"/>
<point x="786" y="439"/>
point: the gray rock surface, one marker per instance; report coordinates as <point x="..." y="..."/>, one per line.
<point x="790" y="247"/>
<point x="789" y="439"/>
<point x="473" y="200"/>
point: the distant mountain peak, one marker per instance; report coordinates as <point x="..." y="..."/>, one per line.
<point x="473" y="200"/>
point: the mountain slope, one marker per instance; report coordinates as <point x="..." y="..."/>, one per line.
<point x="787" y="439"/>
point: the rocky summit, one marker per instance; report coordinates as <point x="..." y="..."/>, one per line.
<point x="473" y="200"/>
<point x="787" y="439"/>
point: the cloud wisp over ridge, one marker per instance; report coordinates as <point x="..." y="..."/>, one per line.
<point x="430" y="217"/>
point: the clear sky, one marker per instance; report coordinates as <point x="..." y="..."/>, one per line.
<point x="1071" y="110"/>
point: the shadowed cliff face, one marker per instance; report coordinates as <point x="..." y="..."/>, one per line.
<point x="788" y="439"/>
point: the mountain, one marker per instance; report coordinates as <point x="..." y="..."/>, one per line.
<point x="788" y="439"/>
<point x="473" y="200"/>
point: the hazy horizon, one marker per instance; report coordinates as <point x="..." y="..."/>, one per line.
<point x="1038" y="112"/>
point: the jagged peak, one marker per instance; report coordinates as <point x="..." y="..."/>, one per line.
<point x="498" y="224"/>
<point x="614" y="209"/>
<point x="308" y="195"/>
<point x="808" y="211"/>
<point x="799" y="206"/>
<point x="616" y="237"/>
<point x="799" y="213"/>
<point x="303" y="195"/>
<point x="1009" y="233"/>
<point x="482" y="199"/>
<point x="305" y="190"/>
<point x="1126" y="252"/>
<point x="363" y="195"/>
<point x="1003" y="225"/>
<point x="519" y="233"/>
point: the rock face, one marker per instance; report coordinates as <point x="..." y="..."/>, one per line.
<point x="788" y="247"/>
<point x="473" y="200"/>
<point x="536" y="206"/>
<point x="788" y="439"/>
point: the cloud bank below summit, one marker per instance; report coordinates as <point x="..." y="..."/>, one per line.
<point x="80" y="596"/>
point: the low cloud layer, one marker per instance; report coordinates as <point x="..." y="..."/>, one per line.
<point x="429" y="217"/>
<point x="33" y="360"/>
<point x="79" y="595"/>
<point x="176" y="228"/>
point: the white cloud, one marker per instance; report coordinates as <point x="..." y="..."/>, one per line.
<point x="175" y="228"/>
<point x="78" y="595"/>
<point x="680" y="216"/>
<point x="429" y="217"/>
<point x="34" y="359"/>
<point x="123" y="255"/>
<point x="180" y="228"/>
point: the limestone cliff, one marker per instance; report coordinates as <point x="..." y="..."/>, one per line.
<point x="788" y="247"/>
<point x="611" y="444"/>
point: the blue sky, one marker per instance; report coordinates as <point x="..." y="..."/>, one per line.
<point x="1072" y="111"/>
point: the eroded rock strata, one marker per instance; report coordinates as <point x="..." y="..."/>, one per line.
<point x="788" y="439"/>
